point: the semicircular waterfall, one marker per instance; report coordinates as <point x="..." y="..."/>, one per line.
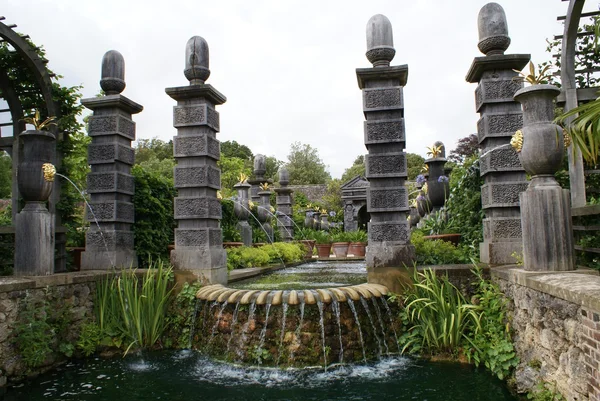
<point x="295" y="327"/>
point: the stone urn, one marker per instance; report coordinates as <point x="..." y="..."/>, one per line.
<point x="324" y="221"/>
<point x="309" y="222"/>
<point x="38" y="148"/>
<point x="540" y="143"/>
<point x="241" y="209"/>
<point x="438" y="187"/>
<point x="264" y="214"/>
<point x="415" y="217"/>
<point x="423" y="204"/>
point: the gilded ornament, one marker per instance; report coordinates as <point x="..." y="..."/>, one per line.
<point x="517" y="141"/>
<point x="49" y="171"/>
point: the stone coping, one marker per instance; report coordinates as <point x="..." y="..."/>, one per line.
<point x="581" y="286"/>
<point x="220" y="293"/>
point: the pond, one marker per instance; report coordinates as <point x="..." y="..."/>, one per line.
<point x="308" y="276"/>
<point x="188" y="375"/>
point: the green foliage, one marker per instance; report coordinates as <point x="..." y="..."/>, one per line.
<point x="272" y="165"/>
<point x="154" y="223"/>
<point x="305" y="166"/>
<point x="322" y="237"/>
<point x="234" y="149"/>
<point x="464" y="203"/>
<point x="332" y="199"/>
<point x="544" y="392"/>
<point x="148" y="149"/>
<point x="414" y="163"/>
<point x="466" y="147"/>
<point x="491" y="345"/>
<point x="180" y="316"/>
<point x="231" y="168"/>
<point x="134" y="310"/>
<point x="357" y="168"/>
<point x="5" y="175"/>
<point x="286" y="251"/>
<point x="89" y="338"/>
<point x="437" y="252"/>
<point x="357" y="236"/>
<point x="438" y="315"/>
<point x="239" y="258"/>
<point x="438" y="223"/>
<point x="229" y="222"/>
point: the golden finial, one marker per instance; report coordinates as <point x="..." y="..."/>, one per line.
<point x="243" y="178"/>
<point x="264" y="186"/>
<point x="35" y="121"/>
<point x="49" y="171"/>
<point x="434" y="151"/>
<point x="566" y="138"/>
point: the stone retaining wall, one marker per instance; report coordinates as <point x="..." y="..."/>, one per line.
<point x="314" y="193"/>
<point x="72" y="293"/>
<point x="556" y="323"/>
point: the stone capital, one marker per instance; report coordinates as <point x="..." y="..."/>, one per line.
<point x="197" y="91"/>
<point x="117" y="101"/>
<point x="496" y="62"/>
<point x="399" y="72"/>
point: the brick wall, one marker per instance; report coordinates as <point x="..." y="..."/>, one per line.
<point x="591" y="349"/>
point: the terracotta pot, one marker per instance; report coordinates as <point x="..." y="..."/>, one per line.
<point x="309" y="244"/>
<point x="340" y="249"/>
<point x="232" y="244"/>
<point x="357" y="249"/>
<point x="258" y="244"/>
<point x="323" y="250"/>
<point x="452" y="238"/>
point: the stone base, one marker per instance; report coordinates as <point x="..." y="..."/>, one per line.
<point x="34" y="253"/>
<point x="106" y="260"/>
<point x="245" y="231"/>
<point x="389" y="264"/>
<point x="500" y="253"/>
<point x="547" y="229"/>
<point x="209" y="264"/>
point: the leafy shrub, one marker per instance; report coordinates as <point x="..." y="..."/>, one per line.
<point x="89" y="338"/>
<point x="438" y="222"/>
<point x="180" y="317"/>
<point x="154" y="223"/>
<point x="238" y="258"/>
<point x="437" y="252"/>
<point x="288" y="252"/>
<point x="492" y="345"/>
<point x="357" y="236"/>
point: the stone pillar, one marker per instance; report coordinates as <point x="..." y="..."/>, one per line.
<point x="260" y="168"/>
<point x="545" y="206"/>
<point x="198" y="236"/>
<point x="389" y="247"/>
<point x="34" y="225"/>
<point x="110" y="183"/>
<point x="263" y="212"/>
<point x="501" y="116"/>
<point x="241" y="209"/>
<point x="284" y="206"/>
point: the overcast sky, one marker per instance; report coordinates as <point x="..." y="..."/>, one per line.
<point x="286" y="67"/>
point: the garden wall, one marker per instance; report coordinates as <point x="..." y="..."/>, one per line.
<point x="314" y="193"/>
<point x="63" y="301"/>
<point x="556" y="323"/>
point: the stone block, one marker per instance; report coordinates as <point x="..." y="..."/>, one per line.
<point x="208" y="264"/>
<point x="387" y="200"/>
<point x="378" y="99"/>
<point x="196" y="145"/>
<point x="111" y="240"/>
<point x="101" y="259"/>
<point x="111" y="211"/>
<point x="502" y="227"/>
<point x="110" y="153"/>
<point x="197" y="208"/>
<point x="392" y="232"/>
<point x="195" y="115"/>
<point x="201" y="176"/>
<point x="494" y="125"/>
<point x="110" y="182"/>
<point x="198" y="237"/>
<point x="113" y="124"/>
<point x="384" y="131"/>
<point x="499" y="253"/>
<point x="494" y="90"/>
<point x="34" y="231"/>
<point x="502" y="194"/>
<point x="283" y="200"/>
<point x="386" y="165"/>
<point x="390" y="265"/>
<point x="500" y="160"/>
<point x="547" y="229"/>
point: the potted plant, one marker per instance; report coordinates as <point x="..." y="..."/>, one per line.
<point x="440" y="227"/>
<point x="231" y="237"/>
<point x="323" y="243"/>
<point x="340" y="244"/>
<point x="305" y="236"/>
<point x="358" y="243"/>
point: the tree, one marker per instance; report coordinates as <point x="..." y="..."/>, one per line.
<point x="414" y="163"/>
<point x="357" y="168"/>
<point x="305" y="166"/>
<point x="5" y="175"/>
<point x="231" y="168"/>
<point x="148" y="149"/>
<point x="272" y="165"/>
<point x="466" y="147"/>
<point x="234" y="149"/>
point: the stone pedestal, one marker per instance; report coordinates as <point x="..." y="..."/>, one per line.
<point x="501" y="116"/>
<point x="284" y="206"/>
<point x="264" y="214"/>
<point x="109" y="243"/>
<point x="547" y="229"/>
<point x="389" y="250"/>
<point x="34" y="234"/>
<point x="198" y="236"/>
<point x="242" y="212"/>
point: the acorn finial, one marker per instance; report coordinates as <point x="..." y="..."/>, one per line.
<point x="196" y="60"/>
<point x="284" y="176"/>
<point x="112" y="81"/>
<point x="380" y="41"/>
<point x="493" y="30"/>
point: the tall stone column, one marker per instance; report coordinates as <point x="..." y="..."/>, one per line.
<point x="198" y="236"/>
<point x="501" y="116"/>
<point x="389" y="247"/>
<point x="284" y="206"/>
<point x="110" y="184"/>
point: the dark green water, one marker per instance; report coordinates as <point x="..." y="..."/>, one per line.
<point x="187" y="376"/>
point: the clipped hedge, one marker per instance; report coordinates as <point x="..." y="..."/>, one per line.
<point x="276" y="253"/>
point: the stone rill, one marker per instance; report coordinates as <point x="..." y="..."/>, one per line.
<point x="295" y="328"/>
<point x="389" y="247"/>
<point x="504" y="177"/>
<point x="110" y="183"/>
<point x="198" y="237"/>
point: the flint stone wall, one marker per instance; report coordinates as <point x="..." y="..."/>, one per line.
<point x="314" y="193"/>
<point x="556" y="324"/>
